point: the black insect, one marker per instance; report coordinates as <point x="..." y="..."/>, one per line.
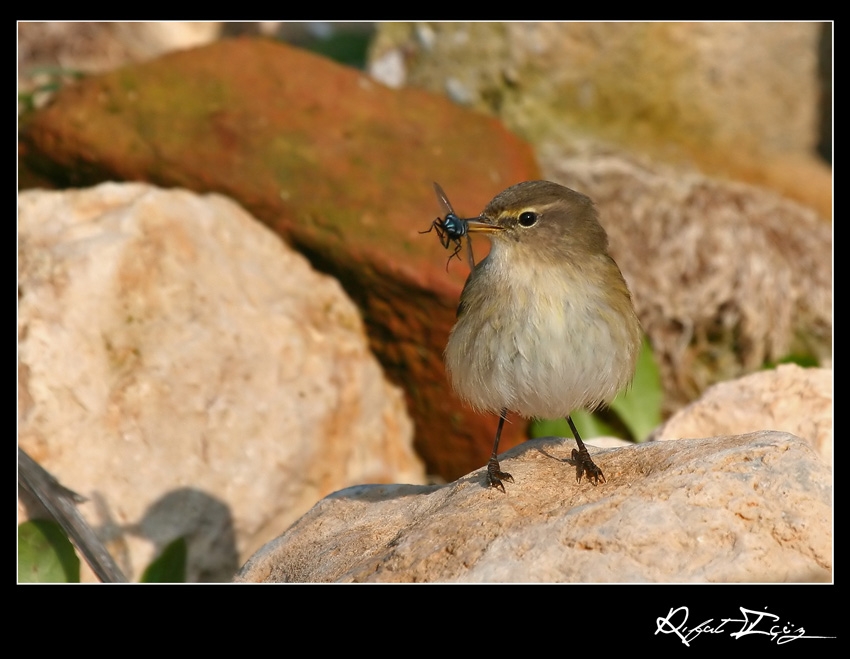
<point x="451" y="228"/>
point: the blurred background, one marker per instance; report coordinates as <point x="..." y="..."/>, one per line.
<point x="225" y="301"/>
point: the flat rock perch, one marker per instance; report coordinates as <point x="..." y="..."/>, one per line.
<point x="745" y="508"/>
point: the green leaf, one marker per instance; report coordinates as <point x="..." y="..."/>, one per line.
<point x="170" y="566"/>
<point x="806" y="361"/>
<point x="549" y="428"/>
<point x="349" y="48"/>
<point x="587" y="424"/>
<point x="45" y="555"/>
<point x="639" y="407"/>
<point x="591" y="425"/>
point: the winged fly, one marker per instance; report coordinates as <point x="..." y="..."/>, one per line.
<point x="451" y="228"/>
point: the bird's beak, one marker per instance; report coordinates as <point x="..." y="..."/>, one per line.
<point x="483" y="227"/>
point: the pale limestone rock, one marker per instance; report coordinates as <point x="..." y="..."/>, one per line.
<point x="736" y="98"/>
<point x="51" y="52"/>
<point x="191" y="375"/>
<point x="753" y="83"/>
<point x="748" y="508"/>
<point x="99" y="46"/>
<point x="724" y="276"/>
<point x="788" y="398"/>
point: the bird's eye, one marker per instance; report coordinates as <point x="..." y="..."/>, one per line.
<point x="528" y="219"/>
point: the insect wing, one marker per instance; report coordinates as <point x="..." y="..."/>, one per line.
<point x="469" y="252"/>
<point x="443" y="199"/>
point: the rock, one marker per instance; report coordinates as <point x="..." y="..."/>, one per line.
<point x="788" y="398"/>
<point x="725" y="276"/>
<point x="339" y="165"/>
<point x="190" y="375"/>
<point x="98" y="46"/>
<point x="736" y="99"/>
<point x="747" y="508"/>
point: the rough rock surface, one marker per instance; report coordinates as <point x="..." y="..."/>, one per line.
<point x="725" y="276"/>
<point x="748" y="508"/>
<point x="191" y="375"/>
<point x="739" y="100"/>
<point x="788" y="398"/>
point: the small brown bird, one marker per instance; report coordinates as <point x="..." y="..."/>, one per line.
<point x="545" y="324"/>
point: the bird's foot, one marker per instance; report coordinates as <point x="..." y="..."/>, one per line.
<point x="495" y="475"/>
<point x="586" y="467"/>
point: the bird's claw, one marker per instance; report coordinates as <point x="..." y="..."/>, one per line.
<point x="495" y="476"/>
<point x="586" y="467"/>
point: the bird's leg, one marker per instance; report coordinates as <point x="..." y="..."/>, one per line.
<point x="494" y="473"/>
<point x="584" y="465"/>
